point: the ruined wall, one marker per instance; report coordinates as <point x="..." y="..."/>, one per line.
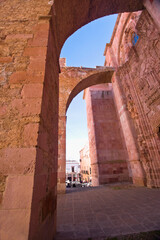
<point x="138" y="76"/>
<point x="107" y="149"/>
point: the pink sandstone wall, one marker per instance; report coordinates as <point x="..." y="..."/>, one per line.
<point x="135" y="167"/>
<point x="107" y="148"/>
<point x="138" y="81"/>
<point x="91" y="138"/>
<point x="115" y="52"/>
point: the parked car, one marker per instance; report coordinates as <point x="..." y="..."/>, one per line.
<point x="85" y="184"/>
<point x="76" y="184"/>
<point x="68" y="184"/>
<point x="73" y="184"/>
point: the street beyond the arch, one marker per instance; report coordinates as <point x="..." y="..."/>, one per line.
<point x="108" y="211"/>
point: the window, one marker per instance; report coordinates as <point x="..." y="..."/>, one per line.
<point x="72" y="169"/>
<point x="135" y="38"/>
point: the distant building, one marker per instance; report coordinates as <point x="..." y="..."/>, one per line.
<point x="85" y="164"/>
<point x="72" y="170"/>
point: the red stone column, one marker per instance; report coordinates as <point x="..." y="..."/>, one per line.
<point x="61" y="186"/>
<point x="153" y="7"/>
<point x="107" y="149"/>
<point x="134" y="165"/>
<point x="92" y="139"/>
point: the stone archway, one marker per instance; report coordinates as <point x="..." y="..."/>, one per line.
<point x="72" y="81"/>
<point x="71" y="15"/>
<point x="32" y="36"/>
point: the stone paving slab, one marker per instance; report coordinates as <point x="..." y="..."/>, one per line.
<point x="101" y="212"/>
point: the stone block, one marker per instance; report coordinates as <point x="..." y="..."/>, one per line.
<point x="37" y="64"/>
<point x="19" y="36"/>
<point x="32" y="90"/>
<point x="40" y="36"/>
<point x="27" y="107"/>
<point x="35" y="78"/>
<point x="2" y="79"/>
<point x="14" y="224"/>
<point x="18" y="77"/>
<point x="30" y="134"/>
<point x="6" y="59"/>
<point x="3" y="110"/>
<point x="17" y="160"/>
<point x="18" y="192"/>
<point x="35" y="51"/>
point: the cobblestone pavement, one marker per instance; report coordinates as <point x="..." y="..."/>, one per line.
<point x="101" y="212"/>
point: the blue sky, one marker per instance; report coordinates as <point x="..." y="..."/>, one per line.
<point x="84" y="48"/>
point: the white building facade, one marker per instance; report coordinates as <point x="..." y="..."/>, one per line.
<point x="73" y="170"/>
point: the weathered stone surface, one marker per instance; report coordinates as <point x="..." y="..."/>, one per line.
<point x="32" y="91"/>
<point x="18" y="192"/>
<point x="18" y="161"/>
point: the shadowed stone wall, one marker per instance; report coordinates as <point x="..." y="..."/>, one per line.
<point x="29" y="121"/>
